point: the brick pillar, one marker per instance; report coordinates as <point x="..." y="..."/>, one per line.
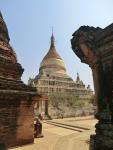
<point x="94" y="47"/>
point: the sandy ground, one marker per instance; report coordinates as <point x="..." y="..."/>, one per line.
<point x="58" y="138"/>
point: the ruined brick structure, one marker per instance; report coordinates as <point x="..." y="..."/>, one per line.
<point x="94" y="46"/>
<point x="16" y="99"/>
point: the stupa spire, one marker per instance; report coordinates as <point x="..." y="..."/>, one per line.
<point x="52" y="40"/>
<point x="1" y="15"/>
<point x="4" y="36"/>
<point x="78" y="78"/>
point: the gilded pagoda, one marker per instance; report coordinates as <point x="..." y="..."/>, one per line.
<point x="54" y="80"/>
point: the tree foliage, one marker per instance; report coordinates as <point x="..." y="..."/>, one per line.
<point x="69" y="100"/>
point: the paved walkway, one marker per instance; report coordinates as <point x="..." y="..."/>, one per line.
<point x="58" y="138"/>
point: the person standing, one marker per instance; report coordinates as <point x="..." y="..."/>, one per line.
<point x="38" y="126"/>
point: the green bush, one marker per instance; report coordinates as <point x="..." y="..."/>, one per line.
<point x="69" y="100"/>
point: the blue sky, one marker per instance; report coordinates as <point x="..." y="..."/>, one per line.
<point x="30" y="23"/>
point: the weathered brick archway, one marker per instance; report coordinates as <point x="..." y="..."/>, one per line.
<point x="94" y="46"/>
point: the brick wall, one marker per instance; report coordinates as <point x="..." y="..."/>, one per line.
<point x="16" y="120"/>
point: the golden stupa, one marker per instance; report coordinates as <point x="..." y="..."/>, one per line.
<point x="52" y="63"/>
<point x="53" y="81"/>
<point x="53" y="78"/>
